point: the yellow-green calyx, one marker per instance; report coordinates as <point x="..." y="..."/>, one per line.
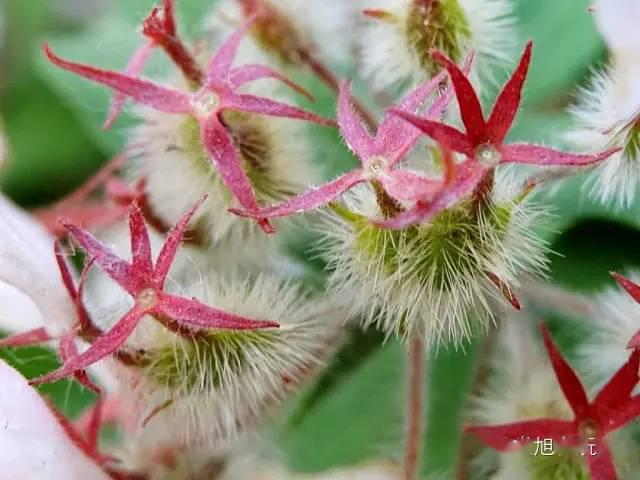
<point x="562" y="464"/>
<point x="254" y="143"/>
<point x="439" y="24"/>
<point x="631" y="145"/>
<point x="204" y="362"/>
<point x="453" y="245"/>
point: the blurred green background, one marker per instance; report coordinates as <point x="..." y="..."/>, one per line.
<point x="52" y="121"/>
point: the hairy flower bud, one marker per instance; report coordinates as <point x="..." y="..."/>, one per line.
<point x="399" y="35"/>
<point x="432" y="276"/>
<point x="208" y="387"/>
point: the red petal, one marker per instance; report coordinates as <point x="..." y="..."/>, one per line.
<point x="104" y="345"/>
<point x="133" y="69"/>
<point x="569" y="383"/>
<point x="358" y="139"/>
<point x="456" y="140"/>
<point x="147" y="93"/>
<point x="515" y="435"/>
<point x="601" y="464"/>
<point x="113" y="265"/>
<point x="141" y="259"/>
<point x="470" y="109"/>
<point x="169" y="17"/>
<point x="196" y="314"/>
<point x="406" y="185"/>
<point x="537" y="155"/>
<point x="171" y="245"/>
<point x="224" y="156"/>
<point x="618" y="389"/>
<point x="220" y="63"/>
<point x="622" y="414"/>
<point x="68" y="351"/>
<point x="309" y="200"/>
<point x="248" y="73"/>
<point x="507" y="104"/>
<point x="264" y="106"/>
<point x="25" y="339"/>
<point x="632" y="288"/>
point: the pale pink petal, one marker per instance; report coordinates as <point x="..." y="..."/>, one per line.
<point x="394" y="133"/>
<point x="358" y="139"/>
<point x="147" y="93"/>
<point x="196" y="314"/>
<point x="309" y="200"/>
<point x="467" y="179"/>
<point x="113" y="265"/>
<point x="30" y="285"/>
<point x="406" y="185"/>
<point x="456" y="140"/>
<point x="220" y="63"/>
<point x="172" y="243"/>
<point x="104" y="345"/>
<point x="538" y="155"/>
<point x="600" y="461"/>
<point x="225" y="157"/>
<point x="34" y="446"/>
<point x="133" y="69"/>
<point x="140" y="242"/>
<point x="264" y="106"/>
<point x="248" y="73"/>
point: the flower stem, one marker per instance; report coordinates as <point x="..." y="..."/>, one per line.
<point x="415" y="410"/>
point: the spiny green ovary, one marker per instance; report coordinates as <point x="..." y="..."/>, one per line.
<point x="564" y="464"/>
<point x="439" y="24"/>
<point x="255" y="144"/>
<point x="632" y="141"/>
<point x="203" y="362"/>
<point x="454" y="244"/>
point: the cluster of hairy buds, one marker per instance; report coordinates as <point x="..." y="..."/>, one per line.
<point x="197" y="332"/>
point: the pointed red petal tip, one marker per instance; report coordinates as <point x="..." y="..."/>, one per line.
<point x="632" y="288"/>
<point x="378" y="14"/>
<point x="634" y="343"/>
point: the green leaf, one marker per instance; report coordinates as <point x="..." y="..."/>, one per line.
<point x="562" y="55"/>
<point x="355" y="352"/>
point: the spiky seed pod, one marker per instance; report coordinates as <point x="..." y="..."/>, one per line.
<point x="522" y="387"/>
<point x="287" y="30"/>
<point x="215" y="385"/>
<point x="397" y="40"/>
<point x="614" y="321"/>
<point x="607" y="114"/>
<point x="168" y="152"/>
<point x="435" y="275"/>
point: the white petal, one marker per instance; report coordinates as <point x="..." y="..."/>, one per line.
<point x="618" y="20"/>
<point x="29" y="278"/>
<point x="33" y="445"/>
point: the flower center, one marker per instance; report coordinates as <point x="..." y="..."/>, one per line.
<point x="147" y="298"/>
<point x="589" y="429"/>
<point x="488" y="155"/>
<point x="376" y="164"/>
<point x="205" y="103"/>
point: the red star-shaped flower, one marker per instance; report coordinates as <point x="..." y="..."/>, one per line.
<point x="218" y="92"/>
<point x="145" y="281"/>
<point x="632" y="289"/>
<point x="484" y="140"/>
<point x="612" y="408"/>
<point x="379" y="154"/>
